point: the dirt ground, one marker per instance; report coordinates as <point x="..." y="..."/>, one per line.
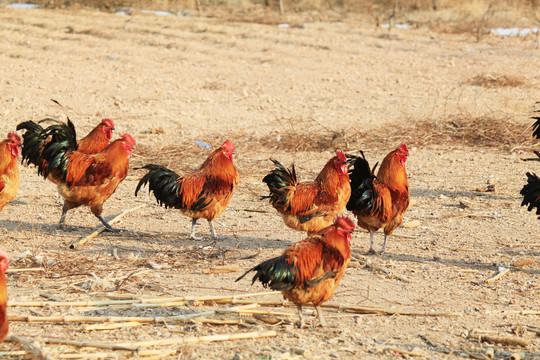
<point x="294" y="94"/>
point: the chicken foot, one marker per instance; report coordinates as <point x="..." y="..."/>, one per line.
<point x="193" y="226"/>
<point x="322" y="322"/>
<point x="212" y="231"/>
<point x="107" y="225"/>
<point x="301" y="323"/>
<point x="62" y="223"/>
<point x="371" y="248"/>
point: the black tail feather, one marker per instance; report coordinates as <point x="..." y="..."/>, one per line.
<point x="279" y="182"/>
<point x="163" y="182"/>
<point x="33" y="142"/>
<point x="275" y="273"/>
<point x="531" y="193"/>
<point x="536" y="127"/>
<point x="46" y="147"/>
<point x="361" y="176"/>
<point x="63" y="142"/>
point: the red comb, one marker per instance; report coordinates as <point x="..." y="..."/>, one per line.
<point x="341" y="155"/>
<point x="14" y="136"/>
<point x="403" y="147"/>
<point x="129" y="139"/>
<point x="227" y="145"/>
<point x="108" y="122"/>
<point x="345" y="223"/>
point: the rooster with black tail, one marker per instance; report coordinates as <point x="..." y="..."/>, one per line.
<point x="202" y="194"/>
<point x="310" y="270"/>
<point x="379" y="201"/>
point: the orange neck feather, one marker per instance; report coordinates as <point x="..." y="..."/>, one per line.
<point x="6" y="158"/>
<point x="329" y="178"/>
<point x="392" y="173"/>
<point x="218" y="165"/>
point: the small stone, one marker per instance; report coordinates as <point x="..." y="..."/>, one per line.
<point x="411" y="224"/>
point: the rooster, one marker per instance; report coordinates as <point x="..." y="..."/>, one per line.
<point x="531" y="190"/>
<point x="312" y="205"/>
<point x="379" y="201"/>
<point x="84" y="179"/>
<point x="36" y="137"/>
<point x="311" y="269"/>
<point x="204" y="193"/>
<point x="10" y="148"/>
<point x="4" y="325"/>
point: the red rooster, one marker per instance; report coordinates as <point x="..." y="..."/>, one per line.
<point x="84" y="179"/>
<point x="4" y="325"/>
<point x="311" y="269"/>
<point x="312" y="205"/>
<point x="204" y="193"/>
<point x="379" y="201"/>
<point x="10" y="148"/>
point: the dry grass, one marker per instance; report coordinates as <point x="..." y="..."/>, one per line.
<point x="455" y="132"/>
<point x="486" y="132"/>
<point x="496" y="81"/>
<point x="462" y="13"/>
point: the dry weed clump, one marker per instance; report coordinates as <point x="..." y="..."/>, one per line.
<point x="475" y="132"/>
<point x="495" y="81"/>
<point x="486" y="132"/>
<point x="458" y="131"/>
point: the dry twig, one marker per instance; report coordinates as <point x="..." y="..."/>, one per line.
<point x="85" y="239"/>
<point x="502" y="271"/>
<point x="203" y="339"/>
<point x="37" y="353"/>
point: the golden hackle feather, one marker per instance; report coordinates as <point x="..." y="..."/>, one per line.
<point x="97" y="139"/>
<point x="9" y="169"/>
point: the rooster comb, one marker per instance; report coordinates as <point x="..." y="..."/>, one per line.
<point x="108" y="122"/>
<point x="344" y="222"/>
<point x="14" y="136"/>
<point x="403" y="148"/>
<point x="129" y="139"/>
<point x="341" y="156"/>
<point x="227" y="145"/>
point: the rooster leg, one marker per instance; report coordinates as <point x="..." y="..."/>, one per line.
<point x="301" y="323"/>
<point x="383" y="245"/>
<point x="62" y="223"/>
<point x="213" y="231"/>
<point x="107" y="225"/>
<point x="322" y="322"/>
<point x="193" y="226"/>
<point x="371" y="249"/>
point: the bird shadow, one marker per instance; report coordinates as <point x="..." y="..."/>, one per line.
<point x="433" y="193"/>
<point x="179" y="239"/>
<point x="476" y="265"/>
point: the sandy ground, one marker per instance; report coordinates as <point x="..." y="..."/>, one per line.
<point x="172" y="80"/>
